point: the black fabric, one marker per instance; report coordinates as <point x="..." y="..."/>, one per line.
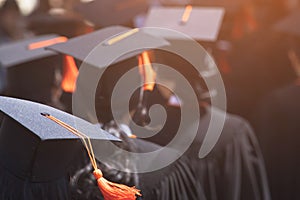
<point x="277" y="126"/>
<point x="259" y="64"/>
<point x="31" y="169"/>
<point x="35" y="152"/>
<point x="176" y="181"/>
<point x="234" y="169"/>
<point x="29" y="158"/>
<point x="13" y="188"/>
<point x="33" y="80"/>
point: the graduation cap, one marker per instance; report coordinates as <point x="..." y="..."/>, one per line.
<point x="111" y="42"/>
<point x="112" y="50"/>
<point x="114" y="12"/>
<point x="200" y="23"/>
<point x="229" y="5"/>
<point x="32" y="70"/>
<point x="37" y="151"/>
<point x="19" y="52"/>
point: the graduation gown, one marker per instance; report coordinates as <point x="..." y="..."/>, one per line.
<point x="278" y="128"/>
<point x="174" y="182"/>
<point x="234" y="169"/>
<point x="259" y="65"/>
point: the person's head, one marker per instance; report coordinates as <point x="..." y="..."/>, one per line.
<point x="10" y="19"/>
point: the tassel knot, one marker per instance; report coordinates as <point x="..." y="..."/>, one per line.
<point x="97" y="174"/>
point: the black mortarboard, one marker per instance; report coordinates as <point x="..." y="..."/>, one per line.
<point x="30" y="68"/>
<point x="107" y="13"/>
<point x="185" y="24"/>
<point x="134" y="40"/>
<point x="200" y="23"/>
<point x="113" y="50"/>
<point x="36" y="150"/>
<point x="229" y="5"/>
<point x="15" y="53"/>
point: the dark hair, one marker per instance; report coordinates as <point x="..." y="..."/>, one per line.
<point x="9" y="5"/>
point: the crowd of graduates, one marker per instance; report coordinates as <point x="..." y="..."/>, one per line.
<point x="256" y="51"/>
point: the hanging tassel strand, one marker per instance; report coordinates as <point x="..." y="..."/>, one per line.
<point x="113" y="190"/>
<point x="110" y="190"/>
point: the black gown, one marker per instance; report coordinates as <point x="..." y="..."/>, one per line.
<point x="234" y="169"/>
<point x="259" y="65"/>
<point x="277" y="125"/>
<point x="174" y="182"/>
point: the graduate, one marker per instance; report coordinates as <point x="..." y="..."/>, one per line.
<point x="234" y="168"/>
<point x="237" y="148"/>
<point x="275" y="120"/>
<point x="254" y="76"/>
<point x="38" y="145"/>
<point x="36" y="74"/>
<point x="175" y="181"/>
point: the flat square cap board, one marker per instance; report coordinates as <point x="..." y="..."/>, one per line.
<point x="35" y="148"/>
<point x="29" y="115"/>
<point x="106" y="48"/>
<point x="289" y="24"/>
<point x="228" y="5"/>
<point x="103" y="13"/>
<point x="200" y="23"/>
<point x="19" y="52"/>
<point x="30" y="69"/>
<point x="109" y="45"/>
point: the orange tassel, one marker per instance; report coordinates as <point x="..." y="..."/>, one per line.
<point x="110" y="191"/>
<point x="146" y="71"/>
<point x="70" y="74"/>
<point x="114" y="191"/>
